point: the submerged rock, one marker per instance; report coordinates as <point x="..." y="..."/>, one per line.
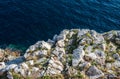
<point x="73" y="54"/>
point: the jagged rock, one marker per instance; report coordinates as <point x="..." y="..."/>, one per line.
<point x="116" y="56"/>
<point x="59" y="52"/>
<point x="31" y="62"/>
<point x="112" y="76"/>
<point x="82" y="32"/>
<point x="112" y="47"/>
<point x="1" y="54"/>
<point x="35" y="69"/>
<point x="92" y="56"/>
<point x="94" y="73"/>
<point x="60" y="43"/>
<point x="100" y="53"/>
<point x="84" y="66"/>
<point x="51" y="42"/>
<point x="89" y="49"/>
<point x="54" y="63"/>
<point x="116" y="64"/>
<point x="71" y="71"/>
<point x="73" y="53"/>
<point x="39" y="45"/>
<point x="109" y="35"/>
<point x="43" y="45"/>
<point x="62" y="35"/>
<point x="108" y="65"/>
<point x="2" y="65"/>
<point x="78" y="55"/>
<point x="86" y="40"/>
<point x="117" y="40"/>
<point x="10" y="67"/>
<point x="9" y="75"/>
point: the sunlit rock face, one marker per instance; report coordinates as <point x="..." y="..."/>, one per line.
<point x="73" y="53"/>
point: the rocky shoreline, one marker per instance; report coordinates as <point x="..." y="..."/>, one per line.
<point x="73" y="54"/>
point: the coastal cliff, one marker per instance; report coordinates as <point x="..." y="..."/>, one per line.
<point x="73" y="54"/>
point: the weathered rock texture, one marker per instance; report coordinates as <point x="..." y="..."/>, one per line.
<point x="75" y="53"/>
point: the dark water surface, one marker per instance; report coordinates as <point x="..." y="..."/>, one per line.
<point x="23" y="22"/>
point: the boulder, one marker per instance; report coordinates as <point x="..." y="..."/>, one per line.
<point x="2" y="65"/>
<point x="78" y="55"/>
<point x="94" y="73"/>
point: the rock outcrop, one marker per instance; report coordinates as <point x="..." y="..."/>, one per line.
<point x="75" y="53"/>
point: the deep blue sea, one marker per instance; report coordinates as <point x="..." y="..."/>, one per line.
<point x="23" y="22"/>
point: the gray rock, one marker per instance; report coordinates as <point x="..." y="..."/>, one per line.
<point x="71" y="71"/>
<point x="98" y="39"/>
<point x="116" y="56"/>
<point x="89" y="49"/>
<point x="100" y="53"/>
<point x="116" y="64"/>
<point x="59" y="52"/>
<point x="109" y="35"/>
<point x="9" y="75"/>
<point x="82" y="32"/>
<point x="43" y="44"/>
<point x="94" y="73"/>
<point x="51" y="42"/>
<point x="117" y="40"/>
<point x="78" y="55"/>
<point x="111" y="76"/>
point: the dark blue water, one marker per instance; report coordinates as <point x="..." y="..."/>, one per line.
<point x="23" y="22"/>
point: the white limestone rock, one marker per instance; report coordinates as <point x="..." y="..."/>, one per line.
<point x="54" y="67"/>
<point x="2" y="65"/>
<point x="35" y="69"/>
<point x="11" y="66"/>
<point x="82" y="32"/>
<point x="108" y="65"/>
<point x="116" y="64"/>
<point x="92" y="56"/>
<point x="24" y="66"/>
<point x="59" y="52"/>
<point x="30" y="62"/>
<point x="78" y="55"/>
<point x="43" y="44"/>
<point x="60" y="43"/>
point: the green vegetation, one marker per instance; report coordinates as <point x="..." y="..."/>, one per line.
<point x="109" y="59"/>
<point x="79" y="76"/>
<point x="52" y="77"/>
<point x="16" y="76"/>
<point x="88" y="34"/>
<point x="94" y="63"/>
<point x="70" y="57"/>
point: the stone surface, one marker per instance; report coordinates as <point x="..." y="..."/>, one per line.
<point x="78" y="55"/>
<point x="72" y="54"/>
<point x="94" y="73"/>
